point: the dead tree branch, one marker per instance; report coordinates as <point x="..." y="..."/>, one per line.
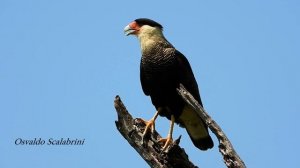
<point x="231" y="158"/>
<point x="150" y="150"/>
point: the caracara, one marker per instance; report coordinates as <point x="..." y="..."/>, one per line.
<point x="162" y="70"/>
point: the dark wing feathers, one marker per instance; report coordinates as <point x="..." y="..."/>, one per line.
<point x="186" y="76"/>
<point x="144" y="83"/>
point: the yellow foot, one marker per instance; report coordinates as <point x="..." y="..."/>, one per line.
<point x="149" y="124"/>
<point x="167" y="141"/>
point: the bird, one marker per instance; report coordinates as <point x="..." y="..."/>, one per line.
<point x="162" y="69"/>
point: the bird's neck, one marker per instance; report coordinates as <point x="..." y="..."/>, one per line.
<point x="153" y="42"/>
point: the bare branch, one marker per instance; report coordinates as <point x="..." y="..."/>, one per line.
<point x="231" y="158"/>
<point x="174" y="157"/>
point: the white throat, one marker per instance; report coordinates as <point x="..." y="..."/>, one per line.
<point x="148" y="36"/>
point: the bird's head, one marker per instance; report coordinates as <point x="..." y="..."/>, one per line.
<point x="143" y="26"/>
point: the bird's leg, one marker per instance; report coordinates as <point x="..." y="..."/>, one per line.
<point x="169" y="138"/>
<point x="151" y="123"/>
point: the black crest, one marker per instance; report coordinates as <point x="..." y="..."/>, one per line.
<point x="145" y="21"/>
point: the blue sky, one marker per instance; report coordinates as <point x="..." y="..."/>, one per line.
<point x="63" y="62"/>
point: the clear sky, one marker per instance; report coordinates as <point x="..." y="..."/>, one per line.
<point x="62" y="62"/>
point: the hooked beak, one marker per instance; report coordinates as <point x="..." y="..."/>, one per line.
<point x="128" y="30"/>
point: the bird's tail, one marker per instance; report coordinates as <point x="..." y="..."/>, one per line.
<point x="196" y="129"/>
<point x="202" y="143"/>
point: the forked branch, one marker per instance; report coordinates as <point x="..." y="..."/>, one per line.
<point x="174" y="157"/>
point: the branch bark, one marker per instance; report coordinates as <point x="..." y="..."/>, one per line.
<point x="230" y="157"/>
<point x="149" y="148"/>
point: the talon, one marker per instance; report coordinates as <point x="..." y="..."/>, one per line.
<point x="168" y="141"/>
<point x="150" y="123"/>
